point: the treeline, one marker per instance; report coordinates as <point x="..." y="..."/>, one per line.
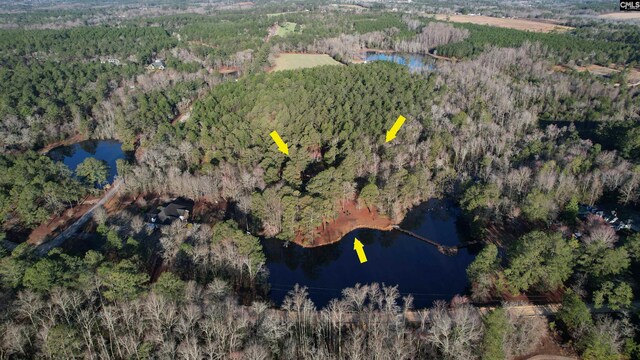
<point x="86" y="42"/>
<point x="623" y="136"/>
<point x="480" y="129"/>
<point x="123" y="253"/>
<point x="42" y="102"/>
<point x="305" y="107"/>
<point x="149" y="114"/>
<point x="221" y="36"/>
<point x="434" y="34"/>
<point x="32" y="187"/>
<point x="346" y="48"/>
<point x="566" y="46"/>
<point x="540" y="262"/>
<point x="612" y="32"/>
<point x="54" y="84"/>
<point x="333" y="26"/>
<point x="67" y="304"/>
<point x="214" y="149"/>
<point x="73" y="307"/>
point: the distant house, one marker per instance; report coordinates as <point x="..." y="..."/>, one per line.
<point x="177" y="209"/>
<point x="156" y="65"/>
<point x="113" y="61"/>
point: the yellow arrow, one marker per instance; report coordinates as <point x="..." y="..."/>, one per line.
<point x="359" y="248"/>
<point x="391" y="134"/>
<point x="281" y="145"/>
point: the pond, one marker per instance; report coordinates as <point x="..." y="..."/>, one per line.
<point x="393" y="258"/>
<point x="412" y="61"/>
<point x="106" y="150"/>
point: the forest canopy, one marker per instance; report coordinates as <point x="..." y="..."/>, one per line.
<point x="333" y="119"/>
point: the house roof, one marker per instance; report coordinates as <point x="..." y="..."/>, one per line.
<point x="158" y="63"/>
<point x="171" y="212"/>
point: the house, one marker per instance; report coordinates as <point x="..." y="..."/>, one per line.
<point x="177" y="209"/>
<point x="156" y="65"/>
<point x="113" y="61"/>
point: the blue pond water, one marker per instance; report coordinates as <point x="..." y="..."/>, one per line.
<point x="106" y="150"/>
<point x="412" y="61"/>
<point x="394" y="258"/>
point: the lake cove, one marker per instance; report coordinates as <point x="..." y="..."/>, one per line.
<point x="394" y="258"/>
<point x="106" y="150"/>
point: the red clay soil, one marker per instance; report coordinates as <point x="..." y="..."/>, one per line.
<point x="120" y="202"/>
<point x="228" y="69"/>
<point x="350" y="217"/>
<point x="58" y="222"/>
<point x="547" y="297"/>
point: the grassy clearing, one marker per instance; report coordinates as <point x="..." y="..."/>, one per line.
<point x="518" y="24"/>
<point x="285" y="13"/>
<point x="301" y="61"/>
<point x="348" y="6"/>
<point x="285" y="29"/>
<point x="622" y="16"/>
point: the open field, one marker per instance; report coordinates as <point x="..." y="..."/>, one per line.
<point x="518" y="24"/>
<point x="348" y="6"/>
<point x="301" y="61"/>
<point x="622" y="16"/>
<point x="285" y="29"/>
<point x="633" y="77"/>
<point x="285" y="13"/>
<point x="237" y="6"/>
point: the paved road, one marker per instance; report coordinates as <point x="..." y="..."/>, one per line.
<point x="71" y="230"/>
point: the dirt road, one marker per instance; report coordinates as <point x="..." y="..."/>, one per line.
<point x="71" y="230"/>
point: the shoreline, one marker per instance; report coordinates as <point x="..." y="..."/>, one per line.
<point x="66" y="142"/>
<point x="364" y="226"/>
<point x="350" y="217"/>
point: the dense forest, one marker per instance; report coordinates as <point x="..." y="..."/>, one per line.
<point x="519" y="146"/>
<point x="581" y="45"/>
<point x="99" y="303"/>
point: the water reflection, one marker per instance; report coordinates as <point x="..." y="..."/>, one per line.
<point x="413" y="61"/>
<point x="106" y="150"/>
<point x="393" y="258"/>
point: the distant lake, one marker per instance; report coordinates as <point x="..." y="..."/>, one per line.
<point x="412" y="61"/>
<point x="73" y="155"/>
<point x="393" y="258"/>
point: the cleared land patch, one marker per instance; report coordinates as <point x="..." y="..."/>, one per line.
<point x="348" y="6"/>
<point x="633" y="75"/>
<point x="285" y="29"/>
<point x="622" y="16"/>
<point x="518" y="24"/>
<point x="301" y="61"/>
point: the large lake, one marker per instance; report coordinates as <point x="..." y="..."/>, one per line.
<point x="106" y="150"/>
<point x="394" y="258"/>
<point x="413" y="61"/>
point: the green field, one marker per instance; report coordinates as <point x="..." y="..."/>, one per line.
<point x="285" y="29"/>
<point x="301" y="61"/>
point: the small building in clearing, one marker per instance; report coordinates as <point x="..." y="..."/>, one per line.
<point x="113" y="61"/>
<point x="177" y="209"/>
<point x="156" y="65"/>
